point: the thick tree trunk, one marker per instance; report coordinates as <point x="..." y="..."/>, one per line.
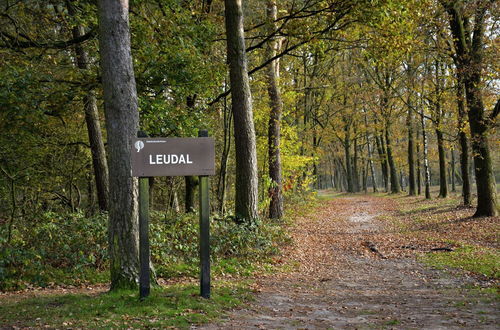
<point x="276" y="105"/>
<point x="246" y="185"/>
<point x="487" y="203"/>
<point x="93" y="125"/>
<point x="122" y="117"/>
<point x="469" y="50"/>
<point x="443" y="182"/>
<point x="395" y="188"/>
<point x="464" y="145"/>
<point x="411" y="155"/>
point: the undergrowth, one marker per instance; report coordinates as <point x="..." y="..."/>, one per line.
<point x="71" y="249"/>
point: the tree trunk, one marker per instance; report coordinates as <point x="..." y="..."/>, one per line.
<point x="443" y="182"/>
<point x="464" y="144"/>
<point x="395" y="188"/>
<point x="348" y="165"/>
<point x="276" y="105"/>
<point x="93" y="124"/>
<point x="419" y="172"/>
<point x="355" y="171"/>
<point x="487" y="203"/>
<point x="383" y="161"/>
<point x="453" y="186"/>
<point x="191" y="182"/>
<point x="469" y="50"/>
<point x="370" y="155"/>
<point x="370" y="161"/>
<point x="246" y="185"/>
<point x="221" y="186"/>
<point x="122" y="118"/>
<point x="427" y="176"/>
<point x="411" y="155"/>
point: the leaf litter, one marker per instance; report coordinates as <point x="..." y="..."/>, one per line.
<point x="356" y="267"/>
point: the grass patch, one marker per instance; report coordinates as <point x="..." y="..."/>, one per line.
<point x="479" y="260"/>
<point x="176" y="306"/>
<point x="393" y="322"/>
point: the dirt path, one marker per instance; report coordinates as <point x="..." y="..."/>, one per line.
<point x="342" y="283"/>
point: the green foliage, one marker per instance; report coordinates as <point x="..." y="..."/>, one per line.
<point x="54" y="249"/>
<point x="177" y="306"/>
<point x="234" y="247"/>
<point x="479" y="260"/>
<point x="58" y="249"/>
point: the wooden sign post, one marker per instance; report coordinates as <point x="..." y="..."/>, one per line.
<point x="204" y="232"/>
<point x="173" y="157"/>
<point x="144" y="274"/>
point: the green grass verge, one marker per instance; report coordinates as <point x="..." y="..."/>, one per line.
<point x="176" y="306"/>
<point x="479" y="260"/>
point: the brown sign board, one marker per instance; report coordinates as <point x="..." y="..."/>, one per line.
<point x="173" y="156"/>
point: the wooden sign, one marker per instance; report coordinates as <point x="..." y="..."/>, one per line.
<point x="173" y="156"/>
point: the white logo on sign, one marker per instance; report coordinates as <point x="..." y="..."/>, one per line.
<point x="139" y="145"/>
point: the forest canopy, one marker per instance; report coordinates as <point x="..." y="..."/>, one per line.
<point x="300" y="95"/>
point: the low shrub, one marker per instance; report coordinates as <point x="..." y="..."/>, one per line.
<point x="72" y="248"/>
<point x="46" y="248"/>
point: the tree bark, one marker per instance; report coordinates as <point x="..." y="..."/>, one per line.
<point x="246" y="184"/>
<point x="221" y="186"/>
<point x="383" y="161"/>
<point x="464" y="143"/>
<point x="370" y="161"/>
<point x="348" y="165"/>
<point x="453" y="186"/>
<point x="122" y="117"/>
<point x="355" y="170"/>
<point x="419" y="172"/>
<point x="411" y="155"/>
<point x="370" y="155"/>
<point x="276" y="105"/>
<point x="93" y="124"/>
<point x="427" y="176"/>
<point x="191" y="182"/>
<point x="443" y="182"/>
<point x="395" y="188"/>
<point x="469" y="50"/>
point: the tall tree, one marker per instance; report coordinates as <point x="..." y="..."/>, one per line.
<point x="464" y="143"/>
<point x="122" y="118"/>
<point x="468" y="29"/>
<point x="246" y="198"/>
<point x="276" y="105"/>
<point x="92" y="120"/>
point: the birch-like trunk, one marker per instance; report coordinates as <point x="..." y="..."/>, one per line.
<point x="276" y="105"/>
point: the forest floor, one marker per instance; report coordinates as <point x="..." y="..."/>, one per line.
<point x="359" y="265"/>
<point x="354" y="261"/>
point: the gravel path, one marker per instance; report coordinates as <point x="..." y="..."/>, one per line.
<point x="343" y="283"/>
